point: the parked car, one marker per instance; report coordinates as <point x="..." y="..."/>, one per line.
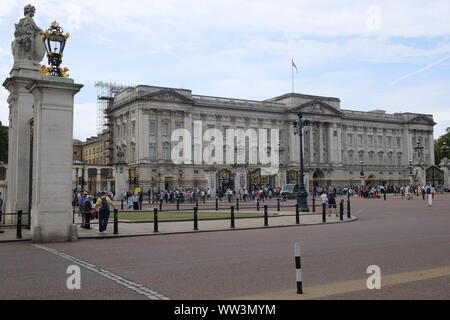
<point x="289" y="191"/>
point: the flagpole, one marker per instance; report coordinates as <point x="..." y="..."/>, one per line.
<point x="292" y="69"/>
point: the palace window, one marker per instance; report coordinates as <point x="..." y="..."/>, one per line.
<point x="152" y="153"/>
<point x="165" y="128"/>
<point x="166" y="151"/>
<point x="152" y="127"/>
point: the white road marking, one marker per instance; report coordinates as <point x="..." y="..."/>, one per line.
<point x="133" y="286"/>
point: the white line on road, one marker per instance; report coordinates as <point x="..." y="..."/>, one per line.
<point x="133" y="286"/>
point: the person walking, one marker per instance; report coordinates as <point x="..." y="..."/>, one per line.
<point x="429" y="195"/>
<point x="103" y="204"/>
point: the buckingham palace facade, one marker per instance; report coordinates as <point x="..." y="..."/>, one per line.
<point x="142" y="119"/>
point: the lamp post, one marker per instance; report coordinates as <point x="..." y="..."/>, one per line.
<point x="361" y="173"/>
<point x="54" y="41"/>
<point x="445" y="149"/>
<point x="302" y="194"/>
<point x="411" y="174"/>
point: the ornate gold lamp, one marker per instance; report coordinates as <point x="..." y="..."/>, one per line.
<point x="54" y="41"/>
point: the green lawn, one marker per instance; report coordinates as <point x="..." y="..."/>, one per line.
<point x="169" y="215"/>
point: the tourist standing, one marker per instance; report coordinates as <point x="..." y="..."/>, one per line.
<point x="103" y="204"/>
<point x="135" y="202"/>
<point x="324" y="199"/>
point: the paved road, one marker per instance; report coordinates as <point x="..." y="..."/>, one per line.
<point x="407" y="239"/>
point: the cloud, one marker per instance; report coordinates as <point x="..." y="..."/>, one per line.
<point x="243" y="49"/>
<point x="85" y="120"/>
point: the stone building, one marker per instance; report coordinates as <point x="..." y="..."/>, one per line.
<point x="337" y="140"/>
<point x="92" y="170"/>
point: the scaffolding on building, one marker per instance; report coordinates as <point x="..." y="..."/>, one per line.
<point x="105" y="97"/>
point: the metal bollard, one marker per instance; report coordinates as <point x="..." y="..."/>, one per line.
<point x="298" y="268"/>
<point x="341" y="210"/>
<point x="121" y="204"/>
<point x="116" y="222"/>
<point x="297" y="214"/>
<point x="19" y="224"/>
<point x="232" y="217"/>
<point x="178" y="204"/>
<point x="278" y="204"/>
<point x="73" y="216"/>
<point x="266" y="216"/>
<point x="257" y="204"/>
<point x="324" y="216"/>
<point x="384" y="196"/>
<point x="195" y="219"/>
<point x="348" y="210"/>
<point x="314" y="204"/>
<point x="155" y="220"/>
<point x="217" y="204"/>
<point x="237" y="204"/>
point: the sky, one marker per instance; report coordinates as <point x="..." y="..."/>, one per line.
<point x="388" y="55"/>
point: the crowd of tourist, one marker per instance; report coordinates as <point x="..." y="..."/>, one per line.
<point x="91" y="207"/>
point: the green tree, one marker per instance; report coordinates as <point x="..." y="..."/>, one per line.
<point x="3" y="143"/>
<point x="438" y="155"/>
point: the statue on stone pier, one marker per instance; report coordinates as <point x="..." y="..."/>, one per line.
<point x="28" y="47"/>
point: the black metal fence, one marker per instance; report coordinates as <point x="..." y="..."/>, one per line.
<point x="18" y="222"/>
<point x="344" y="206"/>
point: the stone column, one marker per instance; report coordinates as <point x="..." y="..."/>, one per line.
<point x="321" y="141"/>
<point x="339" y="145"/>
<point x="431" y="147"/>
<point x="51" y="214"/>
<point x="158" y="135"/>
<point x="121" y="180"/>
<point x="311" y="143"/>
<point x="20" y="113"/>
<point x="330" y="143"/>
<point x="294" y="148"/>
<point x="98" y="181"/>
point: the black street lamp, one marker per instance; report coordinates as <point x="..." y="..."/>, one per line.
<point x="54" y="41"/>
<point x="445" y="149"/>
<point x="362" y="169"/>
<point x="302" y="195"/>
<point x="361" y="173"/>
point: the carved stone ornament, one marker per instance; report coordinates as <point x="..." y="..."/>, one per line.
<point x="27" y="47"/>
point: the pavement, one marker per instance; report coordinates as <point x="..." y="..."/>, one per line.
<point x="409" y="241"/>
